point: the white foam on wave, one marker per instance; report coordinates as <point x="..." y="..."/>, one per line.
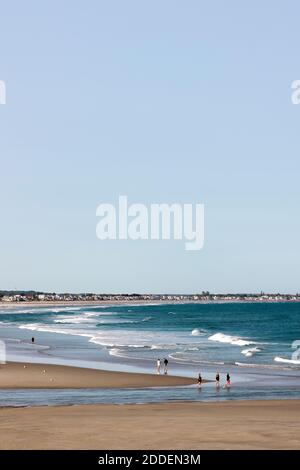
<point x="125" y="352"/>
<point x="93" y="336"/>
<point x="64" y="309"/>
<point x="163" y="346"/>
<point x="88" y="317"/>
<point x="287" y="361"/>
<point x="53" y="329"/>
<point x="250" y="351"/>
<point x="94" y="318"/>
<point x="72" y="319"/>
<point x="117" y="352"/>
<point x="176" y="357"/>
<point x="234" y="340"/>
<point x="120" y="321"/>
<point x="179" y="357"/>
<point x="39" y="310"/>
<point x="28" y="310"/>
<point x="115" y="322"/>
<point x="261" y="366"/>
<point x="198" y="332"/>
<point x="100" y="314"/>
<point x="103" y="342"/>
<point x="106" y="338"/>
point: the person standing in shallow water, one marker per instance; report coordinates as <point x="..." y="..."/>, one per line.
<point x="228" y="381"/>
<point x="199" y="381"/>
<point x="218" y="380"/>
<point x="166" y="362"/>
<point x="158" y="363"/>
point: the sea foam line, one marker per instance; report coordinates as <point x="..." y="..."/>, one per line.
<point x="287" y="361"/>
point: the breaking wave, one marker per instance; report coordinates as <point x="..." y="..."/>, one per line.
<point x="234" y="340"/>
<point x="198" y="332"/>
<point x="250" y="351"/>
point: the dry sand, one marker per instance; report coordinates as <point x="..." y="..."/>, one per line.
<point x="230" y="425"/>
<point x="19" y="375"/>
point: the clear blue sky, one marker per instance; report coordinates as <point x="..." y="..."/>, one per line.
<point x="164" y="101"/>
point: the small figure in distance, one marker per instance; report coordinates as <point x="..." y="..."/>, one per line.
<point x="199" y="381"/>
<point x="32" y="339"/>
<point x="158" y="364"/>
<point x="218" y="380"/>
<point x="228" y="381"/>
<point x="166" y="362"/>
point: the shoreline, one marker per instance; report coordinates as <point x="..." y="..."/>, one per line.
<point x="19" y="375"/>
<point x="269" y="424"/>
<point x="108" y="303"/>
<point x="78" y="303"/>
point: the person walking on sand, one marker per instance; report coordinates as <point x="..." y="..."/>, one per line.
<point x="218" y="380"/>
<point x="166" y="362"/>
<point x="158" y="364"/>
<point x="199" y="381"/>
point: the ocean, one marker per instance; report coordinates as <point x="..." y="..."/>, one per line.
<point x="255" y="342"/>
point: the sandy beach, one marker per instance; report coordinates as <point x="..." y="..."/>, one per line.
<point x="19" y="375"/>
<point x="230" y="425"/>
<point x="268" y="424"/>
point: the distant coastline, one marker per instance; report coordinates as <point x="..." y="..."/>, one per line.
<point x="37" y="299"/>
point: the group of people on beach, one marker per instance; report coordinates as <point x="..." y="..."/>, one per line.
<point x="159" y="364"/>
<point x="199" y="381"/>
<point x="227" y="383"/>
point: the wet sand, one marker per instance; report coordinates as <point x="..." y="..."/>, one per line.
<point x="19" y="375"/>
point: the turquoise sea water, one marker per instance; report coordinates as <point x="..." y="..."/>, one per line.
<point x="255" y="342"/>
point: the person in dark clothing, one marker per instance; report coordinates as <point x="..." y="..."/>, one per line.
<point x="32" y="340"/>
<point x="199" y="380"/>
<point x="166" y="362"/>
<point x="228" y="383"/>
<point x="218" y="380"/>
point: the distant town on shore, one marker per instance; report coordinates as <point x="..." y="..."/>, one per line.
<point x="205" y="296"/>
